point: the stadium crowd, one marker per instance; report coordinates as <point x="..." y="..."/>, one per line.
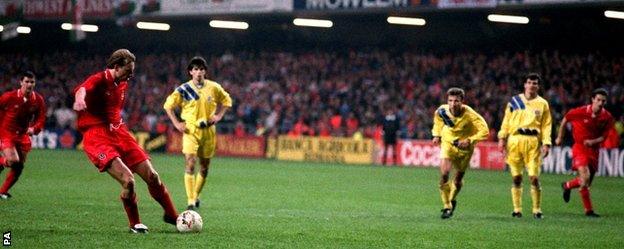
<point x="326" y="93"/>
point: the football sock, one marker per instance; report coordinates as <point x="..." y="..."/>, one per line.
<point x="536" y="197"/>
<point x="587" y="203"/>
<point x="454" y="191"/>
<point x="11" y="178"/>
<point x="130" y="205"/>
<point x="199" y="184"/>
<point x="3" y="163"/>
<point x="189" y="185"/>
<point x="161" y="195"/>
<point x="574" y="183"/>
<point x="516" y="198"/>
<point x="445" y="192"/>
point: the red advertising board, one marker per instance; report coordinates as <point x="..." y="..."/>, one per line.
<point x="424" y="153"/>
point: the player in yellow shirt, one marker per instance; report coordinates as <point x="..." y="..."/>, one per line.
<point x="525" y="139"/>
<point x="202" y="103"/>
<point x="456" y="128"/>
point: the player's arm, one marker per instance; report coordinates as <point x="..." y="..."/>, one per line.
<point x="225" y="102"/>
<point x="603" y="137"/>
<point x="561" y="131"/>
<point x="81" y="91"/>
<point x="481" y="126"/>
<point x="503" y="133"/>
<point x="436" y="131"/>
<point x="173" y="101"/>
<point x="39" y="119"/>
<point x="546" y="130"/>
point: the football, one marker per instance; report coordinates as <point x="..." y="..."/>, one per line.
<point x="189" y="221"/>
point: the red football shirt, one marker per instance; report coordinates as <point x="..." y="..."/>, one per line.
<point x="19" y="112"/>
<point x="584" y="126"/>
<point x="104" y="99"/>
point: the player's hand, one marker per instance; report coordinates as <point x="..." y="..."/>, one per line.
<point x="463" y="144"/>
<point x="30" y="131"/>
<point x="558" y="141"/>
<point x="589" y="142"/>
<point x="502" y="145"/>
<point x="80" y="105"/>
<point x="545" y="150"/>
<point x="436" y="140"/>
<point x="213" y="120"/>
<point x="180" y="126"/>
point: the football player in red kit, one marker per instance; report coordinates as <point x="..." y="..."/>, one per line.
<point x="22" y="113"/>
<point x="108" y="142"/>
<point x="590" y="126"/>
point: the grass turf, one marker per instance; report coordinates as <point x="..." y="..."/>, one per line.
<point x="61" y="201"/>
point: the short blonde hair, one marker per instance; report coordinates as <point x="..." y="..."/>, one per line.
<point x="120" y="57"/>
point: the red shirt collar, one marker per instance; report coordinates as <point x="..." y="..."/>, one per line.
<point x="20" y="94"/>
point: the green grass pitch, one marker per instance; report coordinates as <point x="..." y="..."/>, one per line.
<point x="61" y="201"/>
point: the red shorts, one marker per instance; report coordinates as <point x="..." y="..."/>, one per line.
<point x="21" y="143"/>
<point x="103" y="145"/>
<point x="582" y="157"/>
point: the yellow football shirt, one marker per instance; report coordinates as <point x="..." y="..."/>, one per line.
<point x="197" y="103"/>
<point x="533" y="115"/>
<point x="468" y="125"/>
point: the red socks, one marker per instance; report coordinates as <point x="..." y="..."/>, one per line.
<point x="11" y="178"/>
<point x="161" y="195"/>
<point x="586" y="200"/>
<point x="130" y="205"/>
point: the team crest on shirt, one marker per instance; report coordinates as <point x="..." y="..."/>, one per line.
<point x="209" y="98"/>
<point x="537" y="113"/>
<point x="102" y="156"/>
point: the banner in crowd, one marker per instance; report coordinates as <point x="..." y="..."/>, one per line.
<point x="467" y="3"/>
<point x="506" y="2"/>
<point x="62" y="9"/>
<point x="352" y="4"/>
<point x="191" y="7"/>
<point x="317" y="149"/>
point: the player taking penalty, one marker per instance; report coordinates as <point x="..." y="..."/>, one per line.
<point x="456" y="128"/>
<point x="108" y="142"/>
<point x="22" y="113"/>
<point x="590" y="127"/>
<point x="202" y="103"/>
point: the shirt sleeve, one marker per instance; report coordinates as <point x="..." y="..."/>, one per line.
<point x="504" y="130"/>
<point x="41" y="115"/>
<point x="173" y="100"/>
<point x="224" y="97"/>
<point x="90" y="83"/>
<point x="436" y="131"/>
<point x="546" y="126"/>
<point x="481" y="126"/>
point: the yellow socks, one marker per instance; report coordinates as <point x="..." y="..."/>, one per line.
<point x="536" y="197"/>
<point x="199" y="184"/>
<point x="445" y="192"/>
<point x="189" y="185"/>
<point x="516" y="198"/>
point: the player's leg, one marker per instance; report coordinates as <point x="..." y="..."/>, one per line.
<point x="385" y="151"/>
<point x="461" y="164"/>
<point x="120" y="172"/>
<point x="200" y="179"/>
<point x="516" y="167"/>
<point x="205" y="152"/>
<point x="579" y="160"/>
<point x="157" y="189"/>
<point x="395" y="153"/>
<point x="533" y="169"/>
<point x="190" y="147"/>
<point x="16" y="165"/>
<point x="445" y="188"/>
<point x="586" y="174"/>
<point x="189" y="180"/>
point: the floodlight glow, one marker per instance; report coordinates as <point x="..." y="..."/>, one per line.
<point x="508" y="19"/>
<point x="1" y="28"/>
<point x="406" y="20"/>
<point x="23" y="30"/>
<point x="153" y="26"/>
<point x="83" y="27"/>
<point x="228" y="24"/>
<point x="614" y="14"/>
<point x="313" y="23"/>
